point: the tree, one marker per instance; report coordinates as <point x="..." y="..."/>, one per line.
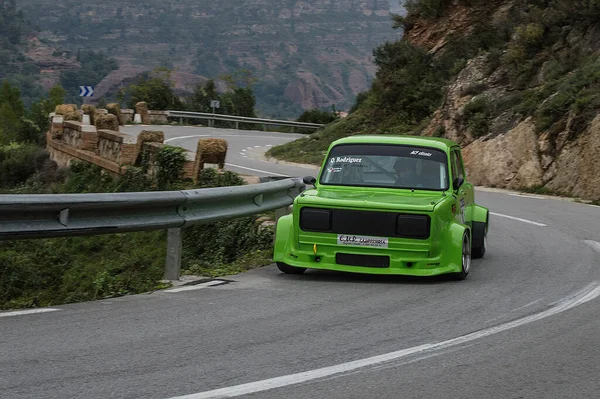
<point x="39" y="111"/>
<point x="317" y="116"/>
<point x="156" y="89"/>
<point x="11" y="111"/>
<point x="202" y="96"/>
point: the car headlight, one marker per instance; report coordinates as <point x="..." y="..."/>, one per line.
<point x="314" y="219"/>
<point x="413" y="226"/>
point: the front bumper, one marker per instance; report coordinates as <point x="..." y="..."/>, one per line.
<point x="410" y="259"/>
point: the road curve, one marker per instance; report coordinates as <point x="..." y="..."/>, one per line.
<point x="525" y="324"/>
<point x="245" y="147"/>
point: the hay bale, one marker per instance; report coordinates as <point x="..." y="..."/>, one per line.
<point x="106" y="122"/>
<point x="73" y="116"/>
<point x="210" y="150"/>
<point x="115" y="109"/>
<point x="64" y="109"/>
<point x="141" y="108"/>
<point x="148" y="136"/>
<point x="90" y="110"/>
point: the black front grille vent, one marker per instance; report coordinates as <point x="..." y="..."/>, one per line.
<point x="368" y="223"/>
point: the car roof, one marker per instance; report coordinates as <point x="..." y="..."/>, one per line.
<point x="420" y="141"/>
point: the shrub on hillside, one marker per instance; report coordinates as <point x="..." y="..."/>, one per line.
<point x="55" y="271"/>
<point x="20" y="162"/>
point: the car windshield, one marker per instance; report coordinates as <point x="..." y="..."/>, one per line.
<point x="386" y="165"/>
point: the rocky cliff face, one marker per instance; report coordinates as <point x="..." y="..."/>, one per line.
<point x="526" y="113"/>
<point x="312" y="53"/>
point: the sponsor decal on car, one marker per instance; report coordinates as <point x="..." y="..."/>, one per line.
<point x="421" y="153"/>
<point x="349" y="160"/>
<point x="362" y="241"/>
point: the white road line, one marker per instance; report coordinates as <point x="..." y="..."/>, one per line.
<point x="196" y="287"/>
<point x="526" y="196"/>
<point x="226" y="135"/>
<point x="589" y="293"/>
<point x="528" y="305"/>
<point x="256" y="170"/>
<point x="26" y="312"/>
<point x="519" y="219"/>
<point x="594" y="244"/>
<point x="186" y="137"/>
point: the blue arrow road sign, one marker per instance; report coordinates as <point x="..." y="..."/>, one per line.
<point x="86" y="91"/>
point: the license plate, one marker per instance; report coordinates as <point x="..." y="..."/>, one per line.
<point x="362" y="241"/>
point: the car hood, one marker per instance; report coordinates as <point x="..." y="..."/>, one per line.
<point x="385" y="200"/>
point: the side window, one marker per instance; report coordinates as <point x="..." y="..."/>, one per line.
<point x="453" y="165"/>
<point x="459" y="164"/>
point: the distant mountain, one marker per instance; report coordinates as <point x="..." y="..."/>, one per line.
<point x="305" y="54"/>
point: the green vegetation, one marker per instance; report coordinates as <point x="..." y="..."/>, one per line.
<point x="311" y="47"/>
<point x="63" y="270"/>
<point x="318" y="116"/>
<point x="95" y="66"/>
<point x="543" y="48"/>
<point x="14" y="65"/>
<point x="157" y="89"/>
<point x="18" y="124"/>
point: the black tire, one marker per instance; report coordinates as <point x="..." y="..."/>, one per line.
<point x="465" y="259"/>
<point x="287" y="269"/>
<point x="479" y="239"/>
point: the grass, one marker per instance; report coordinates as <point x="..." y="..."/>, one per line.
<point x="259" y="258"/>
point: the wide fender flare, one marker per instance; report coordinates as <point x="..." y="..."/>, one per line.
<point x="283" y="231"/>
<point x="454" y="253"/>
<point x="480" y="214"/>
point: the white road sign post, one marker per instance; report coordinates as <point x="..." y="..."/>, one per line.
<point x="214" y="104"/>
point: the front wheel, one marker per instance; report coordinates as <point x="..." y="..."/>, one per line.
<point x="287" y="269"/>
<point x="465" y="259"/>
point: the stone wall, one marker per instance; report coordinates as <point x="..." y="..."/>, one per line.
<point x="112" y="151"/>
<point x="80" y="136"/>
<point x="117" y="147"/>
<point x="158" y="117"/>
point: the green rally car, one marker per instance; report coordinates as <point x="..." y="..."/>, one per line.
<point x="385" y="205"/>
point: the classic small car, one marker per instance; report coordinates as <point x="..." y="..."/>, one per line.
<point x="397" y="205"/>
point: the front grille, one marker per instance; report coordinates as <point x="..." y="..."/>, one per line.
<point x="362" y="260"/>
<point x="368" y="223"/>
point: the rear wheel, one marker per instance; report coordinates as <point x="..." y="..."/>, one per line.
<point x="287" y="269"/>
<point x="479" y="239"/>
<point x="465" y="259"/>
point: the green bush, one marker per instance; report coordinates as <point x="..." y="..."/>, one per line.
<point x="64" y="270"/>
<point x="55" y="271"/>
<point x="475" y="114"/>
<point x="19" y="162"/>
<point x="170" y="161"/>
<point x="317" y="116"/>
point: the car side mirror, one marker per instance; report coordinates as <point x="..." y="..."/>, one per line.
<point x="310" y="180"/>
<point x="458" y="182"/>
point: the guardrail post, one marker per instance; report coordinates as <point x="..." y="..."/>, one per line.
<point x="173" y="264"/>
<point x="237" y="125"/>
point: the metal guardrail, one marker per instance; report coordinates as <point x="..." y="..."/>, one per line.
<point x="238" y="119"/>
<point x="24" y="216"/>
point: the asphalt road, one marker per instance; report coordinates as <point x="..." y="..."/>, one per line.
<point x="245" y="147"/>
<point x="525" y="324"/>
